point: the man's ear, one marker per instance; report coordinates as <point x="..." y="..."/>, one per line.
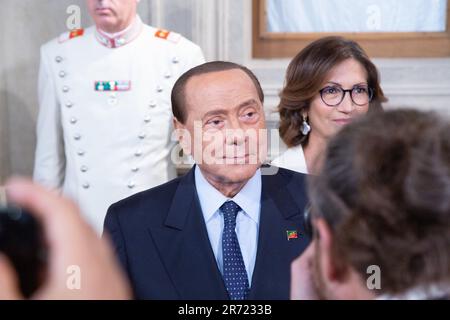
<point x="183" y="136"/>
<point x="177" y="124"/>
<point x="331" y="267"/>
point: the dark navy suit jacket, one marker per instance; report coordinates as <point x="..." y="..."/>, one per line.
<point x="161" y="240"/>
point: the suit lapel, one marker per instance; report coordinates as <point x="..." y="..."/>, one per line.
<point x="185" y="249"/>
<point x="280" y="213"/>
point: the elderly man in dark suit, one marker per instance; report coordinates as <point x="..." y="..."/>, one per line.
<point x="229" y="228"/>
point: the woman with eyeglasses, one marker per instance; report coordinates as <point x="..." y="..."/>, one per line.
<point x="328" y="84"/>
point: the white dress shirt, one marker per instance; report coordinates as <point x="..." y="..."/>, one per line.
<point x="247" y="220"/>
<point x="292" y="159"/>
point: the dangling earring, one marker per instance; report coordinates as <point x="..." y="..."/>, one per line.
<point x="306" y="128"/>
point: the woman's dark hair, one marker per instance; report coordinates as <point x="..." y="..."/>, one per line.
<point x="306" y="74"/>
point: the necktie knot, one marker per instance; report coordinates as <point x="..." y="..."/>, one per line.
<point x="230" y="210"/>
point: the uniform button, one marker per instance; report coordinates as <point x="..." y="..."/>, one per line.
<point x="86" y="185"/>
<point x="135" y="169"/>
<point x="112" y="100"/>
<point x="65" y="89"/>
<point x="73" y="120"/>
<point x="58" y="59"/>
<point x="167" y="75"/>
<point x="81" y="153"/>
<point x="77" y="136"/>
<point x="159" y="89"/>
<point x="147" y="119"/>
<point x="131" y="185"/>
<point x="152" y="104"/>
<point x="142" y="135"/>
<point x="84" y="168"/>
<point x="62" y="74"/>
<point x="138" y="153"/>
<point x="69" y="104"/>
<point x="175" y="60"/>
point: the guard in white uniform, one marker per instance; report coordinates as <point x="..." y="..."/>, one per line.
<point x="105" y="121"/>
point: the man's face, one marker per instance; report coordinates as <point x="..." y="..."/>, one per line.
<point x="112" y="15"/>
<point x="225" y="120"/>
<point x="308" y="271"/>
<point x="317" y="273"/>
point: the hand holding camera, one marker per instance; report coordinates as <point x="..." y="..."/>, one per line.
<point x="67" y="240"/>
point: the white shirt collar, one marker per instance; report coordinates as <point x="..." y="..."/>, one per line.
<point x="249" y="198"/>
<point x="292" y="159"/>
<point x="121" y="38"/>
<point x="116" y="34"/>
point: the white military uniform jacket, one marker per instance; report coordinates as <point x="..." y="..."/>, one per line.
<point x="105" y="120"/>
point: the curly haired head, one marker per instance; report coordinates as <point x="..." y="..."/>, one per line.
<point x="385" y="193"/>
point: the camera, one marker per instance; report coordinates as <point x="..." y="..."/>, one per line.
<point x="22" y="242"/>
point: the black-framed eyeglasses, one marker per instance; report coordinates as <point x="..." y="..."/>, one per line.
<point x="333" y="95"/>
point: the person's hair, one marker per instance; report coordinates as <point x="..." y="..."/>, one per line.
<point x="385" y="194"/>
<point x="178" y="97"/>
<point x="306" y="74"/>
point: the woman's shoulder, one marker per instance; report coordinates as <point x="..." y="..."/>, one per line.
<point x="292" y="159"/>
